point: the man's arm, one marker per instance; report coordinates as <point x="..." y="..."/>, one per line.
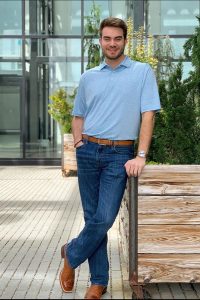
<point x="135" y="166"/>
<point x="77" y="128"/>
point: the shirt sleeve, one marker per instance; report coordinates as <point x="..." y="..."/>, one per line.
<point x="79" y="102"/>
<point x="150" y="99"/>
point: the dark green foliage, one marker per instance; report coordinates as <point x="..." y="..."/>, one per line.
<point x="176" y="137"/>
<point x="174" y="134"/>
<point x="192" y="52"/>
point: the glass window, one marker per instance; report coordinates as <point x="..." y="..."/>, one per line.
<point x="51" y="64"/>
<point x="172" y="47"/>
<point x="53" y="17"/>
<point x="10" y="68"/>
<point x="187" y="68"/>
<point x="10" y="48"/>
<point x="172" y="17"/>
<point x="67" y="17"/>
<point x="107" y="8"/>
<point x="177" y="44"/>
<point x="43" y="134"/>
<point x="10" y="17"/>
<point x="64" y="75"/>
<point x="66" y="48"/>
<point x="10" y="127"/>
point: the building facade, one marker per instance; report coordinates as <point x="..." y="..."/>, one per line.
<point x="42" y="49"/>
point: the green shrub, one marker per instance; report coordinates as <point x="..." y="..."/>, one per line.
<point x="174" y="134"/>
<point x="61" y="108"/>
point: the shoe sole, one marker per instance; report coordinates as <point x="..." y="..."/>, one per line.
<point x="104" y="291"/>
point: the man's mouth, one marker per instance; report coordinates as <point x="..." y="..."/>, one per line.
<point x="112" y="50"/>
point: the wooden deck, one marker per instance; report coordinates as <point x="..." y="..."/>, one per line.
<point x="40" y="209"/>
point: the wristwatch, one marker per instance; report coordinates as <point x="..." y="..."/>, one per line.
<point x="142" y="154"/>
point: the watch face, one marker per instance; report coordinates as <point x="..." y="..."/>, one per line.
<point x="142" y="154"/>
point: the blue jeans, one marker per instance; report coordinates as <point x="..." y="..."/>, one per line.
<point x="102" y="180"/>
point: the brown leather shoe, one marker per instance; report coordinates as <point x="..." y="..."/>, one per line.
<point x="95" y="291"/>
<point x="67" y="274"/>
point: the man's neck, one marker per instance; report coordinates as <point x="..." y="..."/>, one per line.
<point x="115" y="62"/>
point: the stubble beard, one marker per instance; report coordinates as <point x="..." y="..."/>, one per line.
<point x="114" y="57"/>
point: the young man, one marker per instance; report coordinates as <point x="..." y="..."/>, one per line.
<point x="115" y="101"/>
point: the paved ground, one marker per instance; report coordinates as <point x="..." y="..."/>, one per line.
<point x="39" y="211"/>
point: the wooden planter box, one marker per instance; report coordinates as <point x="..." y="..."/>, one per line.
<point x="169" y="224"/>
<point x="69" y="165"/>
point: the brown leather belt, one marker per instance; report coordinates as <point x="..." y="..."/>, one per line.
<point x="107" y="142"/>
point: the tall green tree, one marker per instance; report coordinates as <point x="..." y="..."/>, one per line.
<point x="192" y="52"/>
<point x="174" y="135"/>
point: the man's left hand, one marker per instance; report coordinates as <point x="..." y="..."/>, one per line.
<point x="135" y="166"/>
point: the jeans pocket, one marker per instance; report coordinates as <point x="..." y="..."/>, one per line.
<point x="80" y="147"/>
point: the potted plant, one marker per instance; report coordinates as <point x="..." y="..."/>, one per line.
<point x="60" y="109"/>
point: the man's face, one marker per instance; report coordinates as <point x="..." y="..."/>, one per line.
<point x="112" y="42"/>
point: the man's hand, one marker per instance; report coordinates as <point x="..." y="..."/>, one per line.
<point x="135" y="166"/>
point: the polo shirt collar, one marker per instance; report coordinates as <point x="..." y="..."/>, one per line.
<point x="126" y="63"/>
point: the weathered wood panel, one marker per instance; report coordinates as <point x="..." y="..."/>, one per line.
<point x="169" y="223"/>
<point x="169" y="267"/>
<point x="124" y="241"/>
<point x="169" y="239"/>
<point x="170" y="180"/>
<point x="69" y="164"/>
<point x="124" y="226"/>
<point x="169" y="210"/>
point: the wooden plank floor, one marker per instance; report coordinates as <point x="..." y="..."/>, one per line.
<point x="39" y="211"/>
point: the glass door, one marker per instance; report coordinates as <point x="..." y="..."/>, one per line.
<point x="11" y="145"/>
<point x="43" y="139"/>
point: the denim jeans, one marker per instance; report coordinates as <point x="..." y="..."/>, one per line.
<point x="102" y="180"/>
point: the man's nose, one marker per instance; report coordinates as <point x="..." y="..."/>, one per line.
<point x="112" y="43"/>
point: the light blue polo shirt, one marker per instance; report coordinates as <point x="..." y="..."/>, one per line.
<point x="111" y="100"/>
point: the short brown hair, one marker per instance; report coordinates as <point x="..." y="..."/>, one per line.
<point x="113" y="22"/>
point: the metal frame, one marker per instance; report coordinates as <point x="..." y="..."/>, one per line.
<point x="133" y="229"/>
<point x="139" y="292"/>
<point x="133" y="237"/>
